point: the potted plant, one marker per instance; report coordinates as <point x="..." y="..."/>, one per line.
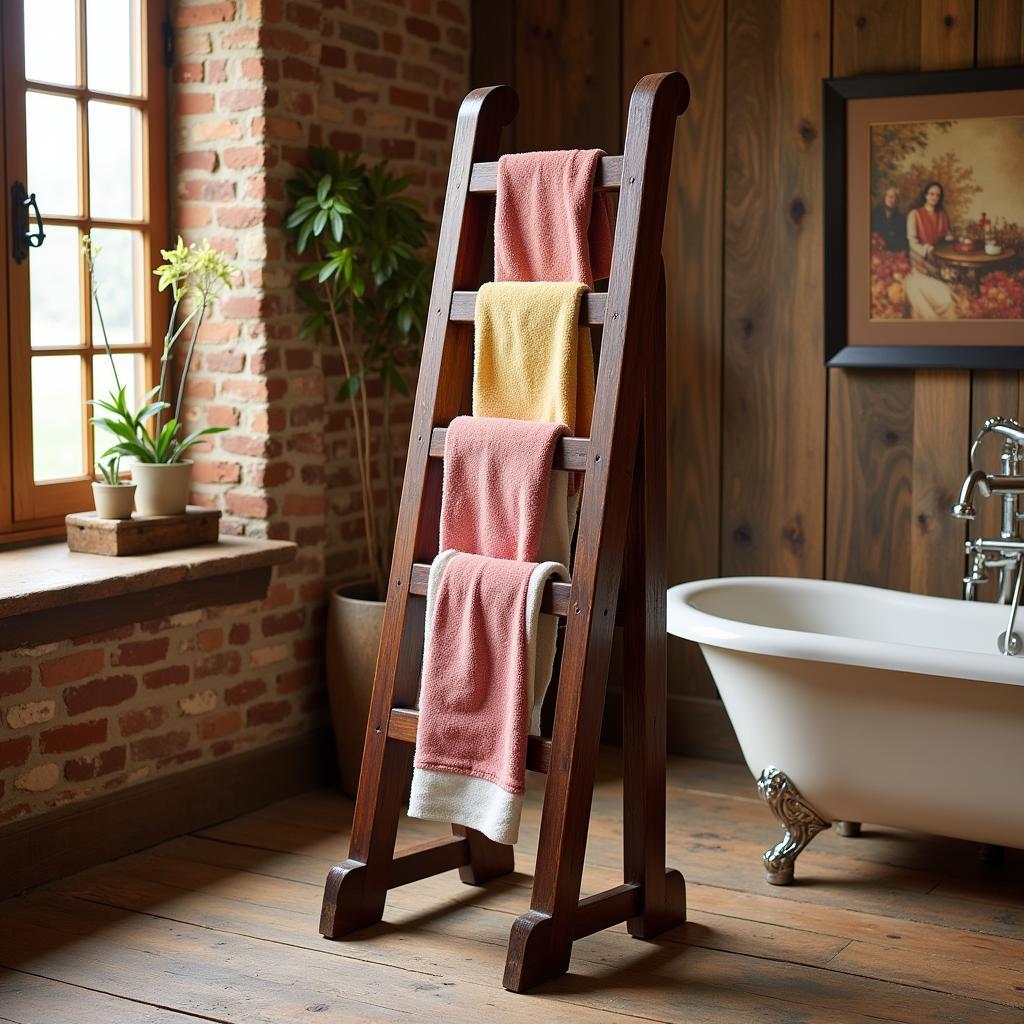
<point x="366" y="287"/>
<point x="195" y="274"/>
<point x="113" y="496"/>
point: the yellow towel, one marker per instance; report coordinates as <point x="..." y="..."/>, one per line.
<point x="532" y="360"/>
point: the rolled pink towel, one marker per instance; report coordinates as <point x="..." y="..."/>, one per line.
<point x="549" y="224"/>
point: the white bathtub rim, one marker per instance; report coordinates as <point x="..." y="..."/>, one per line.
<point x="687" y="621"/>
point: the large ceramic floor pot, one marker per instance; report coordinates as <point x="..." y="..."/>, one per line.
<point x="353" y="636"/>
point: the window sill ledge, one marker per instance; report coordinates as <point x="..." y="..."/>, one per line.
<point x="49" y="593"/>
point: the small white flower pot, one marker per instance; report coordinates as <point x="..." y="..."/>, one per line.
<point x="113" y="501"/>
<point x="163" y="488"/>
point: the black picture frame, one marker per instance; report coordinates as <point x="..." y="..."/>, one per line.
<point x="837" y="93"/>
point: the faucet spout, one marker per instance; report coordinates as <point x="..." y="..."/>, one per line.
<point x="977" y="479"/>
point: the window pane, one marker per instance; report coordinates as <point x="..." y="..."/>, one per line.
<point x="57" y="417"/>
<point x="52" y="128"/>
<point x="113" y="160"/>
<point x="118" y="278"/>
<point x="50" y="51"/>
<point x="131" y="376"/>
<point x="54" y="277"/>
<point x="112" y="39"/>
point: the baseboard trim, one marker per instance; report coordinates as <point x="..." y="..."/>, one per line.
<point x="52" y="845"/>
<point x="697" y="727"/>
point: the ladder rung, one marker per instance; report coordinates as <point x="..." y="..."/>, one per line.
<point x="402" y="727"/>
<point x="484" y="177"/>
<point x="554" y="602"/>
<point x="604" y="909"/>
<point x="570" y="452"/>
<point x="592" y="308"/>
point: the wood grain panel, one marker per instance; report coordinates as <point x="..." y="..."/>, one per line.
<point x="568" y="58"/>
<point x="942" y="398"/>
<point x="773" y="391"/>
<point x="871" y="413"/>
<point x="691" y="37"/>
<point x="995" y="392"/>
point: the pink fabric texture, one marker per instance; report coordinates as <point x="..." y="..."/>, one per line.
<point x="473" y="699"/>
<point x="496" y="478"/>
<point x="549" y="225"/>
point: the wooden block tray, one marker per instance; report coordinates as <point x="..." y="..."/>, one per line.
<point x="141" y="535"/>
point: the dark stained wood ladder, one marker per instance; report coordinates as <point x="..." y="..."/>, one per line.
<point x="621" y="541"/>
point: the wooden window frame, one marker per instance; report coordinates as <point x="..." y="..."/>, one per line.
<point x="28" y="509"/>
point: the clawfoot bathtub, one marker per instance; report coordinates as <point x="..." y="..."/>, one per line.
<point x="857" y="704"/>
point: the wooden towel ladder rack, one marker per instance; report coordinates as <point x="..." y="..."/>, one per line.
<point x="621" y="544"/>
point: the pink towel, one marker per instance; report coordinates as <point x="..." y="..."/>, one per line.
<point x="497" y="473"/>
<point x="549" y="225"/>
<point x="486" y="647"/>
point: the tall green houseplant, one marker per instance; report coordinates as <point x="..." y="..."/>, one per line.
<point x="366" y="287"/>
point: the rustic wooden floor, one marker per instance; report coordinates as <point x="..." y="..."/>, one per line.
<point x="222" y="926"/>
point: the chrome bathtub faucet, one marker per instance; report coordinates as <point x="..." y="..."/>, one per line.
<point x="1005" y="553"/>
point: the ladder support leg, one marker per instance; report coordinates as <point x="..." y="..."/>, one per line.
<point x="644" y="699"/>
<point x="487" y="859"/>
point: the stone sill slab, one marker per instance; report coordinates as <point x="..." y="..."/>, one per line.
<point x="49" y="593"/>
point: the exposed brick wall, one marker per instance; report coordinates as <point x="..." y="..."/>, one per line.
<point x="255" y="82"/>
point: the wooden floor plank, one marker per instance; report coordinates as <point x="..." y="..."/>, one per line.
<point x="222" y="926"/>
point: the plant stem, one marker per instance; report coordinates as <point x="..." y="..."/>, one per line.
<point x="188" y="357"/>
<point x="106" y="342"/>
<point x="165" y="358"/>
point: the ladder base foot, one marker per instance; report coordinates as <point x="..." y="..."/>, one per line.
<point x="487" y="865"/>
<point x="531" y="960"/>
<point x="670" y="914"/>
<point x="349" y="903"/>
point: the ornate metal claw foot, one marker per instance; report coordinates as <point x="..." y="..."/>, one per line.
<point x="801" y="822"/>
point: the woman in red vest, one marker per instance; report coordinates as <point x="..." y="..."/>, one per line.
<point x="929" y="296"/>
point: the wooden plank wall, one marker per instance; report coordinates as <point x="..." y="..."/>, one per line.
<point x="777" y="466"/>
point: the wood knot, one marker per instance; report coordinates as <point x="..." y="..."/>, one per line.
<point x="949" y="21"/>
<point x="924" y="522"/>
<point x="797" y="211"/>
<point x="861" y="22"/>
<point x="742" y="536"/>
<point x="807" y="131"/>
<point x="746" y="327"/>
<point x="793" y="535"/>
<point x="890" y="437"/>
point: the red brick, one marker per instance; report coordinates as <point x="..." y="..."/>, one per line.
<point x="196" y="160"/>
<point x="240" y="217"/>
<point x="268" y="712"/>
<point x="257" y="447"/>
<point x="193" y="216"/>
<point x="204" y="14"/>
<point x="15" y="752"/>
<point x="99" y="693"/>
<point x="151" y="747"/>
<point x="210" y="639"/>
<point x="15" y="680"/>
<point x="296" y="679"/>
<point x="216" y="726"/>
<point x="244" y="307"/>
<point x="358" y="34"/>
<point x="242" y="693"/>
<point x="451" y="11"/>
<point x="193" y="103"/>
<point x="81" y="769"/>
<point x="71" y="667"/>
<point x="410" y="98"/>
<point x="392" y="42"/>
<point x="73" y="737"/>
<point x="224" y="663"/>
<point x="224" y="362"/>
<point x="285" y="623"/>
<point x="245" y="156"/>
<point x="333" y="56"/>
<point x="173" y="675"/>
<point x="240" y="99"/>
<point x="206" y="191"/>
<point x="239" y="633"/>
<point x="252" y="506"/>
<point x="142" y="720"/>
<point x="270" y="474"/>
<point x="188" y="71"/>
<point x="423" y="28"/>
<point x="141" y="652"/>
<point x="216" y="472"/>
<point x="305" y="505"/>
<point x="372" y="64"/>
<point x="216" y="71"/>
<point x="220" y="416"/>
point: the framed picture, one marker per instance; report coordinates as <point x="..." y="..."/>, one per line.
<point x="924" y="220"/>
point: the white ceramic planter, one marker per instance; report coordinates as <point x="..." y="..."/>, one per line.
<point x="162" y="488"/>
<point x="113" y="501"/>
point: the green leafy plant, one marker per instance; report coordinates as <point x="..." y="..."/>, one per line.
<point x="367" y="287"/>
<point x="110" y="471"/>
<point x="196" y="275"/>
